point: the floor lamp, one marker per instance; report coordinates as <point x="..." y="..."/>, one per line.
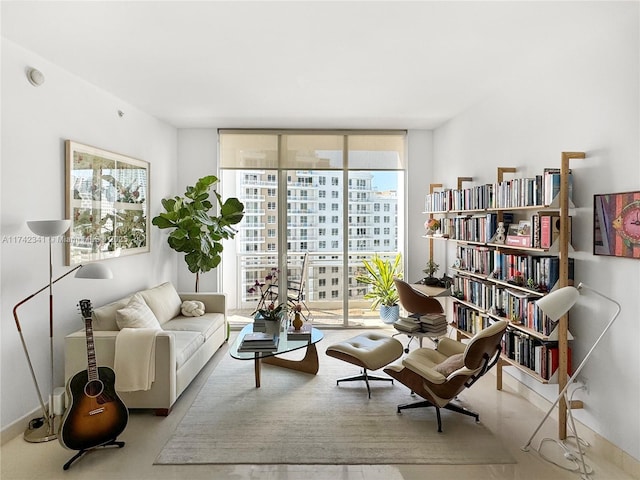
<point x="555" y="305"/>
<point x="44" y="429"/>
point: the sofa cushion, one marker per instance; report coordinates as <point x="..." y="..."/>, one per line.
<point x="104" y="318"/>
<point x="136" y="314"/>
<point x="206" y="324"/>
<point x="186" y="343"/>
<point x="163" y="301"/>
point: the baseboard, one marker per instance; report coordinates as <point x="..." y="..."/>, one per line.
<point x="600" y="446"/>
<point x="18" y="427"/>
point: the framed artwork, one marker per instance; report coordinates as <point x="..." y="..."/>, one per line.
<point x="107" y="201"/>
<point x="616" y="224"/>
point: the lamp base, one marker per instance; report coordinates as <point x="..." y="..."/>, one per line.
<point x="39" y="431"/>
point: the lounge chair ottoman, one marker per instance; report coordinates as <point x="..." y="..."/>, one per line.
<point x="370" y="351"/>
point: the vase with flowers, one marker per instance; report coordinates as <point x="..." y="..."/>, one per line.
<point x="272" y="315"/>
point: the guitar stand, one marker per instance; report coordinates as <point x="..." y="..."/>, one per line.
<point x="112" y="443"/>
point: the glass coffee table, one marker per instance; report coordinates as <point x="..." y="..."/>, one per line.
<point x="308" y="364"/>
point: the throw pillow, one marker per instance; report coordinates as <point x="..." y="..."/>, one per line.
<point x="192" y="308"/>
<point x="450" y="365"/>
<point x="163" y="301"/>
<point x="137" y="314"/>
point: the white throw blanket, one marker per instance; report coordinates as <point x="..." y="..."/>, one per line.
<point x="135" y="359"/>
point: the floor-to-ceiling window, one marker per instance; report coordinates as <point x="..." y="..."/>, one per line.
<point x="331" y="197"/>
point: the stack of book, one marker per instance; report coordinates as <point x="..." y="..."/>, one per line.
<point x="259" y="342"/>
<point x="434" y="324"/>
<point x="407" y="324"/>
<point x="303" y="334"/>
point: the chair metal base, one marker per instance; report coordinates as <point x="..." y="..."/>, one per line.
<point x="449" y="406"/>
<point x="366" y="377"/>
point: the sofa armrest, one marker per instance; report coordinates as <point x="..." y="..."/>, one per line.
<point x="213" y="302"/>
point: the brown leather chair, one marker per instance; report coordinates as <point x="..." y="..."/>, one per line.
<point x="438" y="375"/>
<point x="415" y="304"/>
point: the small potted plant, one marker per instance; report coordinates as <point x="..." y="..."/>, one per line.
<point x="431" y="269"/>
<point x="379" y="276"/>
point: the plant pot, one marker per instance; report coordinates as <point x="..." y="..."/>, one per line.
<point x="389" y="314"/>
<point x="272" y="327"/>
<point x="431" y="281"/>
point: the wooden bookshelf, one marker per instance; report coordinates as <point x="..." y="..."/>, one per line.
<point x="463" y="210"/>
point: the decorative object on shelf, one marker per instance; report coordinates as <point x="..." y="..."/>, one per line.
<point x="107" y="204"/>
<point x="555" y="305"/>
<point x="44" y="429"/>
<point x="431" y="226"/>
<point x="616" y="224"/>
<point x="500" y="234"/>
<point x="195" y="232"/>
<point x="379" y="274"/>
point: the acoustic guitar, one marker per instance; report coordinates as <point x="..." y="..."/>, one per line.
<point x="96" y="415"/>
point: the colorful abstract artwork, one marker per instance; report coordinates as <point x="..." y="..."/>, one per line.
<point x="616" y="224"/>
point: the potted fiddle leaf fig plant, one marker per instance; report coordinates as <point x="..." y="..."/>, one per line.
<point x="196" y="232"/>
<point x="379" y="274"/>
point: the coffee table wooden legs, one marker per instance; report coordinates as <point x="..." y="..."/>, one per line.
<point x="309" y="364"/>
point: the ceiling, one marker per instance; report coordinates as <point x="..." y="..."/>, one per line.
<point x="349" y="64"/>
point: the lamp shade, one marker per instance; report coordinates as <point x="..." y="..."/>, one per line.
<point x="94" y="270"/>
<point x="49" y="228"/>
<point x="557" y="303"/>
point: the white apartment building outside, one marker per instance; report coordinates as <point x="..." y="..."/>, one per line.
<point x="315" y="211"/>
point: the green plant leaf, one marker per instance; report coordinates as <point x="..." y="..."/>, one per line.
<point x="161" y="222"/>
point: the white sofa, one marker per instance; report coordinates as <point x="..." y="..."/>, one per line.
<point x="182" y="348"/>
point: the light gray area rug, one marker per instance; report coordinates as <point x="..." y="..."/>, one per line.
<point x="297" y="418"/>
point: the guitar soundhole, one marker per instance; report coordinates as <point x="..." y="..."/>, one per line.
<point x="93" y="388"/>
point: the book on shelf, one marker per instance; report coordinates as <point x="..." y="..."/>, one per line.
<point x="552" y="180"/>
<point x="303" y="334"/>
<point x="550" y="230"/>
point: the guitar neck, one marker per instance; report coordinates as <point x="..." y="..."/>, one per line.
<point x="92" y="367"/>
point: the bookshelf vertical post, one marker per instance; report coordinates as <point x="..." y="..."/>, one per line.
<point x="563" y="281"/>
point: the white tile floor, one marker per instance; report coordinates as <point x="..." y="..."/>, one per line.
<point x="506" y="414"/>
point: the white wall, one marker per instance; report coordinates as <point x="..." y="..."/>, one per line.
<point x="583" y="101"/>
<point x="35" y="124"/>
<point x="197" y="157"/>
